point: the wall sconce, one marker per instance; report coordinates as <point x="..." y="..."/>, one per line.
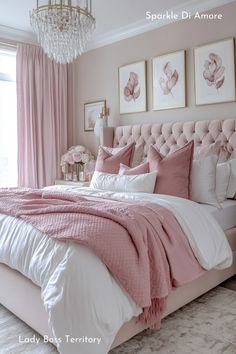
<point x="101" y="121"/>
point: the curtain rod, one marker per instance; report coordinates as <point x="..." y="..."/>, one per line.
<point x="10" y="44"/>
<point x="13" y="44"/>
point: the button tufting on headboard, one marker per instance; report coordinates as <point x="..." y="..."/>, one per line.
<point x="168" y="137"/>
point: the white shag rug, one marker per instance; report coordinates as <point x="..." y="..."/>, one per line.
<point x="206" y="326"/>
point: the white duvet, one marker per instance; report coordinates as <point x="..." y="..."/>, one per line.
<point x="81" y="297"/>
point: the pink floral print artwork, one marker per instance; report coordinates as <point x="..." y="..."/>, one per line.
<point x="170" y="80"/>
<point x="132" y="89"/>
<point x="214" y="71"/>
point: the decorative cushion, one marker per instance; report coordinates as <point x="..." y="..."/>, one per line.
<point x="144" y="183"/>
<point x="137" y="156"/>
<point x="125" y="170"/>
<point x="204" y="181"/>
<point x="173" y="170"/>
<point x="109" y="163"/>
<point x="231" y="192"/>
<point x="222" y="180"/>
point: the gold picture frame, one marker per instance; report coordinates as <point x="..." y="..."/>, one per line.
<point x="169" y="81"/>
<point x="214" y="72"/>
<point x="132" y="79"/>
<point x="91" y="113"/>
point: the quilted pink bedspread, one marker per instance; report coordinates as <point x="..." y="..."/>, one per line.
<point x="141" y="243"/>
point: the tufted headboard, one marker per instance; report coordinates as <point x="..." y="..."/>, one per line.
<point x="168" y="137"/>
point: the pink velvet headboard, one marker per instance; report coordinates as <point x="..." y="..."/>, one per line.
<point x="167" y="137"/>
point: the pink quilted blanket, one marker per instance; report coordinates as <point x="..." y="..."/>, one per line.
<point x="141" y="243"/>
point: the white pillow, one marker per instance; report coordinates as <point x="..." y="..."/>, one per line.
<point x="137" y="156"/>
<point x="231" y="192"/>
<point x="204" y="181"/>
<point x="144" y="183"/>
<point x="222" y="180"/>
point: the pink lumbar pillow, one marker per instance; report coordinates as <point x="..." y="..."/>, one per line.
<point x="138" y="170"/>
<point x="173" y="170"/>
<point x="109" y="163"/>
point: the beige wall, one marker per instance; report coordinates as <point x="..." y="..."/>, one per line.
<point x="97" y="72"/>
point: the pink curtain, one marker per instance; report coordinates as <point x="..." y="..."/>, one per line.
<point x="43" y="110"/>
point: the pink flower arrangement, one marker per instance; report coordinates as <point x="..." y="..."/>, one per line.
<point x="214" y="71"/>
<point x="76" y="154"/>
<point x="170" y="80"/>
<point x="132" y="88"/>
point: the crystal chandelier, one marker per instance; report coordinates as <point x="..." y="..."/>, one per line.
<point x="63" y="27"/>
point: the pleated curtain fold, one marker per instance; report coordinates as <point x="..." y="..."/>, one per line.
<point x="43" y="113"/>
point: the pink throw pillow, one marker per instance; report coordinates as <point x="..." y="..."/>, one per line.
<point x="137" y="155"/>
<point x="138" y="170"/>
<point x="108" y="163"/>
<point x="173" y="170"/>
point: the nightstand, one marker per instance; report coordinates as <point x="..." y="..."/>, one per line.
<point x="71" y="183"/>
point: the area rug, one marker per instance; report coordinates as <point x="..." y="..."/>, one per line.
<point x="206" y="326"/>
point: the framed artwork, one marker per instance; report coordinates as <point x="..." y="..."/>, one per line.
<point x="215" y="72"/>
<point x="169" y="81"/>
<point x="91" y="113"/>
<point x="132" y="88"/>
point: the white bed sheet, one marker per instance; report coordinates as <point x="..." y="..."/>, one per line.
<point x="226" y="215"/>
<point x="80" y="295"/>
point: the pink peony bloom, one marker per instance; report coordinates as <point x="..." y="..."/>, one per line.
<point x="214" y="71"/>
<point x="69" y="159"/>
<point x="77" y="156"/>
<point x="132" y="89"/>
<point x="85" y="158"/>
<point x="170" y="80"/>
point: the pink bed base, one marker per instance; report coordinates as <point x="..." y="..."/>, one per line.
<point x="26" y="302"/>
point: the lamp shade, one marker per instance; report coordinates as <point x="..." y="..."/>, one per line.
<point x="99" y="124"/>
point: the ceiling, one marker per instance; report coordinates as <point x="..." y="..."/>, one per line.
<point x="115" y="19"/>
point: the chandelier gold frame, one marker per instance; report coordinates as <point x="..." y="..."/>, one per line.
<point x="87" y="11"/>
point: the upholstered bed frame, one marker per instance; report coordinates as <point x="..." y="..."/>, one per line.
<point x="170" y="136"/>
<point x="22" y="297"/>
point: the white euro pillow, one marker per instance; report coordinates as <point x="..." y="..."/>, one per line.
<point x="143" y="183"/>
<point x="222" y="180"/>
<point x="231" y="192"/>
<point x="203" y="189"/>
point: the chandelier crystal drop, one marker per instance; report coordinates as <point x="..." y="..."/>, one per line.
<point x="63" y="28"/>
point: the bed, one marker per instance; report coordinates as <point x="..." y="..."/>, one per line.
<point x="23" y="298"/>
